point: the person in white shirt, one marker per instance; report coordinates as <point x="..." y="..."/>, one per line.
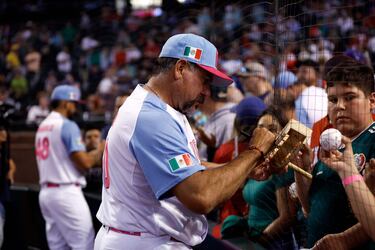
<point x="37" y="113"/>
<point x="312" y="102"/>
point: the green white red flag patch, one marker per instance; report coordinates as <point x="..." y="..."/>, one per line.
<point x="192" y="52"/>
<point x="180" y="161"/>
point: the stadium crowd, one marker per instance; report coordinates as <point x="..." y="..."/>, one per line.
<point x="281" y="66"/>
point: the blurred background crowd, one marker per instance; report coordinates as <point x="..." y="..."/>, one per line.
<point x="106" y="51"/>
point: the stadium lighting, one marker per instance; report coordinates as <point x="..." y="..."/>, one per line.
<point x="141" y="4"/>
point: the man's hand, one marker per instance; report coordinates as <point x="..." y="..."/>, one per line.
<point x="262" y="139"/>
<point x="260" y="172"/>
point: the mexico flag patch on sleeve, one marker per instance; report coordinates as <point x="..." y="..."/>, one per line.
<point x="180" y="161"/>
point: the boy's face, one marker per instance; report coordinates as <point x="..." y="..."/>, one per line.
<point x="349" y="109"/>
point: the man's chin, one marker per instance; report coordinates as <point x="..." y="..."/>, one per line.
<point x="189" y="111"/>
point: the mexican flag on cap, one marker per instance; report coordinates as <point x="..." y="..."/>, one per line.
<point x="192" y="52"/>
<point x="180" y="161"/>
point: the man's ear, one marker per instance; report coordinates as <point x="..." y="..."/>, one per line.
<point x="179" y="68"/>
<point x="372" y="101"/>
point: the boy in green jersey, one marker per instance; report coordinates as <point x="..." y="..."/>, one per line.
<point x="351" y="99"/>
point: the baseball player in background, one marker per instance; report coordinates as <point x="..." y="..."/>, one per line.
<point x="156" y="190"/>
<point x="62" y="159"/>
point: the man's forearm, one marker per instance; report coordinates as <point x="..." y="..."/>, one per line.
<point x="204" y="190"/>
<point x="208" y="164"/>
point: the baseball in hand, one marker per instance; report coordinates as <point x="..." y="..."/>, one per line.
<point x="330" y="139"/>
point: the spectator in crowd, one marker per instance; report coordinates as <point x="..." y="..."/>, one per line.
<point x="255" y="79"/>
<point x="311" y="104"/>
<point x="247" y="113"/>
<point x="33" y="61"/>
<point x="284" y="83"/>
<point x="4" y="96"/>
<point x="219" y="126"/>
<point x="307" y="72"/>
<point x="18" y="85"/>
<point x="283" y="90"/>
<point x="9" y="168"/>
<point x="107" y="88"/>
<point x="234" y="95"/>
<point x="95" y="108"/>
<point x="271" y="210"/>
<point x="64" y="61"/>
<point x="50" y="82"/>
<point x="360" y="193"/>
<point x="92" y="138"/>
<point x="140" y="44"/>
<point x="33" y="71"/>
<point x="246" y="116"/>
<point x="12" y="58"/>
<point x="37" y="113"/>
<point x="350" y="89"/>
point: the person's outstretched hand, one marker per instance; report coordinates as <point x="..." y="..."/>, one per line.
<point x="341" y="162"/>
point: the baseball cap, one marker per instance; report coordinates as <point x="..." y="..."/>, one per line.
<point x="285" y="79"/>
<point x="249" y="110"/>
<point x="198" y="50"/>
<point x="253" y="69"/>
<point x="66" y="93"/>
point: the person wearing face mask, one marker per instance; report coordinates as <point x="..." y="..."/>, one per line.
<point x="62" y="160"/>
<point x="156" y="190"/>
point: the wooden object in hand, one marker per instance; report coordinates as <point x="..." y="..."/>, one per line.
<point x="287" y="145"/>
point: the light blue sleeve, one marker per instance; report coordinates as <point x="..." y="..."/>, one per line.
<point x="156" y="141"/>
<point x="71" y="137"/>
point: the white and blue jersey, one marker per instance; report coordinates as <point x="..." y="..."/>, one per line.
<point x="57" y="137"/>
<point x="150" y="148"/>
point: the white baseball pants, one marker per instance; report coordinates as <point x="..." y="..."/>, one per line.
<point x="68" y="219"/>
